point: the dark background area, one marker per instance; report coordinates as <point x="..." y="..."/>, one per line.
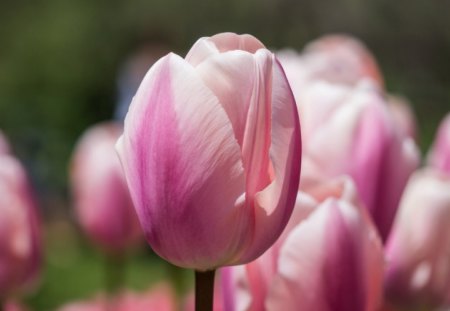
<point x="59" y="61"/>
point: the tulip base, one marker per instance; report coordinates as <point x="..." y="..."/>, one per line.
<point x="204" y="290"/>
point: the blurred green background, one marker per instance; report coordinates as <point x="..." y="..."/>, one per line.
<point x="59" y="61"/>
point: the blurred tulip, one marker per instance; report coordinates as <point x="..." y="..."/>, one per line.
<point x="159" y="298"/>
<point x="333" y="58"/>
<point x="403" y="115"/>
<point x="97" y="304"/>
<point x="439" y="156"/>
<point x="4" y="145"/>
<point x="252" y="286"/>
<point x="211" y="152"/>
<point x="11" y="305"/>
<point x="102" y="200"/>
<point x="349" y="131"/>
<point x="418" y="249"/>
<point x="332" y="261"/>
<point x="20" y="249"/>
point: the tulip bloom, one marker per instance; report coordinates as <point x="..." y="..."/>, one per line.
<point x="211" y="152"/>
<point x="418" y="249"/>
<point x="102" y="200"/>
<point x="349" y="131"/>
<point x="20" y="251"/>
<point x="403" y="115"/>
<point x="439" y="156"/>
<point x="330" y="260"/>
<point x="97" y="304"/>
<point x="160" y="298"/>
<point x="333" y="58"/>
<point x="13" y="306"/>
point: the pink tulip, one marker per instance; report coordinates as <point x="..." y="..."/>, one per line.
<point x="418" y="249"/>
<point x="211" y="152"/>
<point x="251" y="286"/>
<point x="403" y="115"/>
<point x="97" y="304"/>
<point x="331" y="261"/>
<point x="333" y="58"/>
<point x="160" y="298"/>
<point x="439" y="156"/>
<point x="13" y="306"/>
<point x="20" y="249"/>
<point x="349" y="131"/>
<point x="102" y="200"/>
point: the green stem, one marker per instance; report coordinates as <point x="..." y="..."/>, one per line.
<point x="204" y="290"/>
<point x="114" y="273"/>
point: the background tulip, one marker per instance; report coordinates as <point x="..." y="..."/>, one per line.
<point x="331" y="261"/>
<point x="403" y="115"/>
<point x="439" y="156"/>
<point x="211" y="152"/>
<point x="158" y="298"/>
<point x="102" y="201"/>
<point x="348" y="130"/>
<point x="20" y="249"/>
<point x="333" y="58"/>
<point x="13" y="306"/>
<point x="97" y="304"/>
<point x="418" y="249"/>
<point x="252" y="286"/>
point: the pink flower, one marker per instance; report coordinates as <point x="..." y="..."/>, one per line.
<point x="333" y="58"/>
<point x="20" y="249"/>
<point x="12" y="305"/>
<point x="418" y="249"/>
<point x="439" y="156"/>
<point x="348" y="131"/>
<point x="331" y="259"/>
<point x="102" y="200"/>
<point x="403" y="115"/>
<point x="211" y="152"/>
<point x="160" y="298"/>
<point x="97" y="304"/>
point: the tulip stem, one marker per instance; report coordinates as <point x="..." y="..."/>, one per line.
<point x="114" y="272"/>
<point x="204" y="290"/>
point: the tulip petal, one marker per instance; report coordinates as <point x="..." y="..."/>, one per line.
<point x="207" y="46"/>
<point x="332" y="261"/>
<point x="439" y="156"/>
<point x="229" y="41"/>
<point x="236" y="70"/>
<point x="418" y="248"/>
<point x="401" y="158"/>
<point x="273" y="204"/>
<point x="178" y="152"/>
<point x="200" y="51"/>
